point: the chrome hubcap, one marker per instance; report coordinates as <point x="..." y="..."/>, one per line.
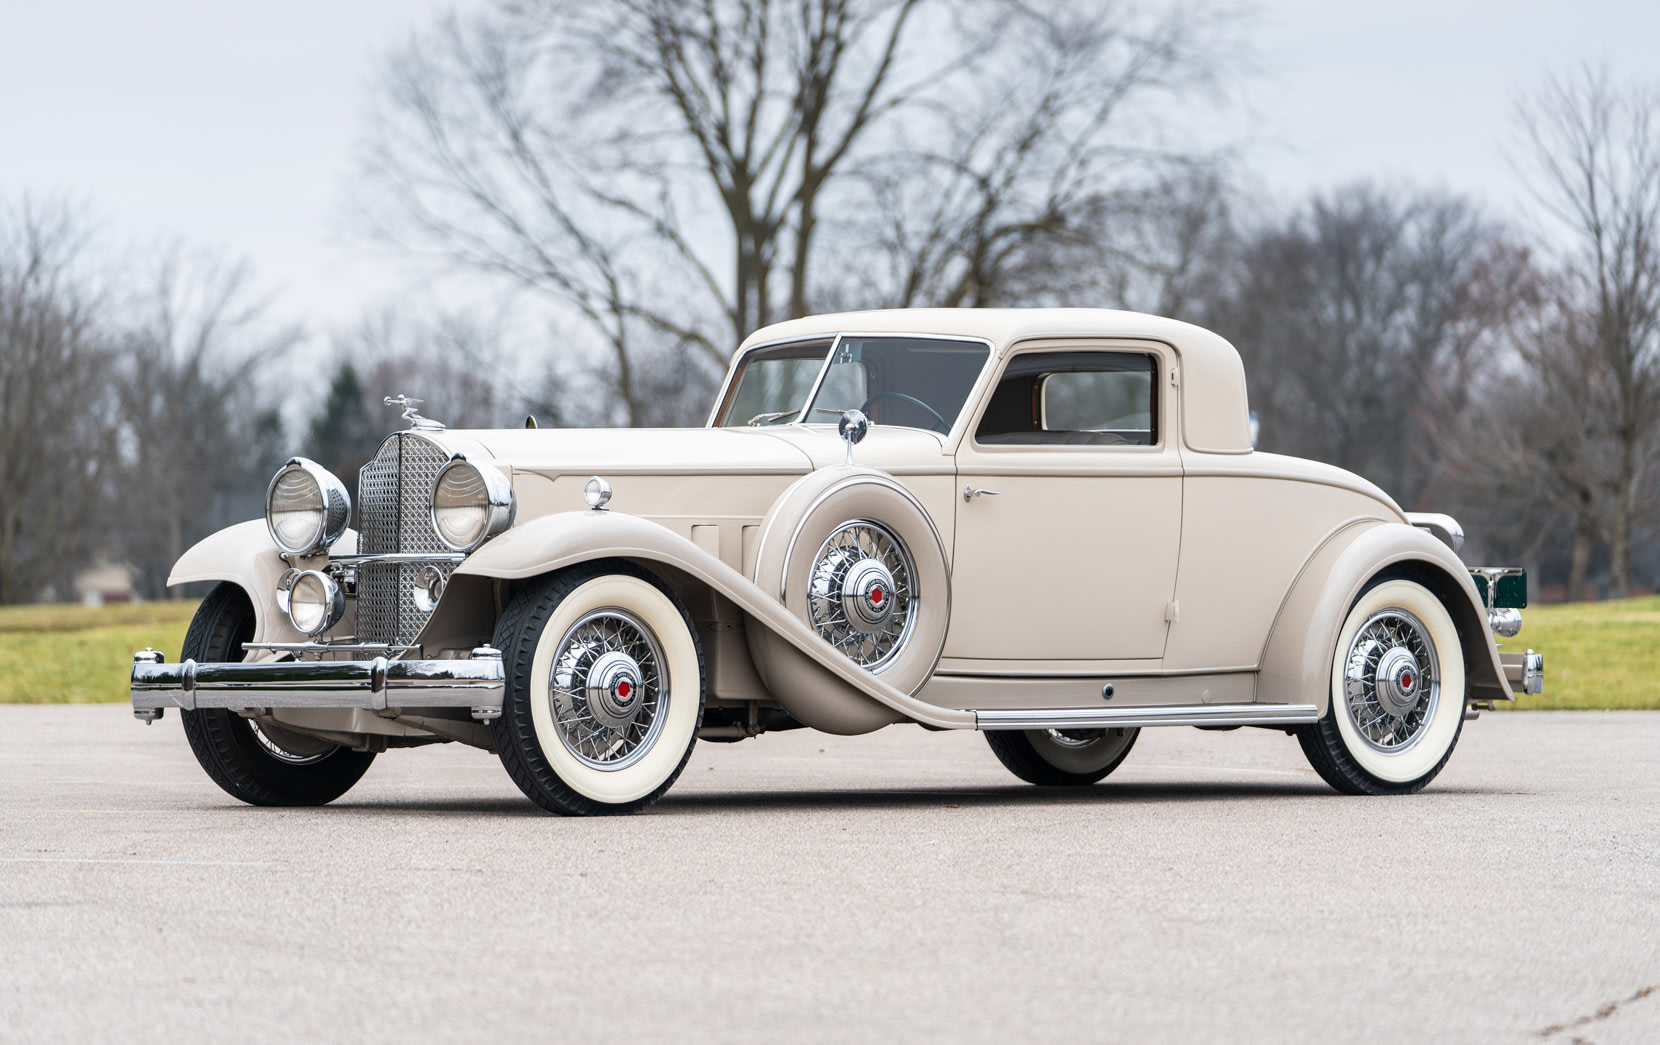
<point x="613" y="689"/>
<point x="861" y="594"/>
<point x="867" y="596"/>
<point x="606" y="689"/>
<point x="1392" y="681"/>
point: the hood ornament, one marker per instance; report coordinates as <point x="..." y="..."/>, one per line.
<point x="416" y="421"/>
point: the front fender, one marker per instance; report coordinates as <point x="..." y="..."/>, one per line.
<point x="1297" y="657"/>
<point x="245" y="555"/>
<point x="553" y="542"/>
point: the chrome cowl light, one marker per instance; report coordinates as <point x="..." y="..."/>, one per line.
<point x="306" y="507"/>
<point x="313" y="601"/>
<point x="471" y="503"/>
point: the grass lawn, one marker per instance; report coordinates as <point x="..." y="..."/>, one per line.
<point x="80" y="655"/>
<point x="1597" y="654"/>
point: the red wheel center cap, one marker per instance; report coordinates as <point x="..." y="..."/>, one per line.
<point x="1406" y="680"/>
<point x="876" y="596"/>
<point x="624" y="689"/>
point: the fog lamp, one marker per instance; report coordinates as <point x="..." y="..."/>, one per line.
<point x="315" y="603"/>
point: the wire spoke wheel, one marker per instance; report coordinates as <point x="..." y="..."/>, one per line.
<point x="861" y="593"/>
<point x="1398" y="687"/>
<point x="1392" y="681"/>
<point x="606" y="689"/>
<point x="277" y="751"/>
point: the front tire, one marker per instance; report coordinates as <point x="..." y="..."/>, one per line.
<point x="605" y="690"/>
<point x="1397" y="694"/>
<point x="263" y="768"/>
<point x="1061" y="757"/>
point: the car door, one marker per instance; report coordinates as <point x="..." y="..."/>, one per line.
<point x="1068" y="534"/>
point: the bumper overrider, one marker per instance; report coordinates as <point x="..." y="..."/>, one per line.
<point x="476" y="683"/>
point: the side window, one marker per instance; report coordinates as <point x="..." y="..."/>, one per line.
<point x="1074" y="399"/>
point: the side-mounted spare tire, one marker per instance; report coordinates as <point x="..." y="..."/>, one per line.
<point x="855" y="556"/>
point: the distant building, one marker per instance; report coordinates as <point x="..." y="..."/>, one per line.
<point x="104" y="582"/>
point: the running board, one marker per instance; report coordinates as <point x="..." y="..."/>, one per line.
<point x="1170" y="715"/>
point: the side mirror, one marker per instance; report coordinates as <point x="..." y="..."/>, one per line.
<point x="852" y="428"/>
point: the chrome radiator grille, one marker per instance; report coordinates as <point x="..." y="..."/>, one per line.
<point x="394" y="516"/>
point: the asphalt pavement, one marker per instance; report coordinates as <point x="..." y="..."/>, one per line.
<point x="897" y="886"/>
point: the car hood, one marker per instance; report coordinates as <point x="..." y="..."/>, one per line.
<point x="624" y="451"/>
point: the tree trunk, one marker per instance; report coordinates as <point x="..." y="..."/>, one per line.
<point x="1619" y="544"/>
<point x="1580" y="561"/>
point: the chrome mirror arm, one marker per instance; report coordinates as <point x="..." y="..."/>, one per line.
<point x="852" y="427"/>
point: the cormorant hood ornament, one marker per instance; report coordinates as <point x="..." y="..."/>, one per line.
<point x="415" y="420"/>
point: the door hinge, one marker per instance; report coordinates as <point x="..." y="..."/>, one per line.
<point x="1172" y="611"/>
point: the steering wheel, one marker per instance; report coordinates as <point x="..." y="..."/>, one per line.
<point x="944" y="426"/>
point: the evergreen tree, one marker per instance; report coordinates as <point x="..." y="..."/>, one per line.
<point x="344" y="435"/>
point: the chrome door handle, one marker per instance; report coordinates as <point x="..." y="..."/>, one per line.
<point x="969" y="493"/>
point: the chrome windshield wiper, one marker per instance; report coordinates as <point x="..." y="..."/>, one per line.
<point x="766" y="419"/>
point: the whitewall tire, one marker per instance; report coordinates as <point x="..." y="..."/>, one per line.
<point x="1397" y="694"/>
<point x="605" y="689"/>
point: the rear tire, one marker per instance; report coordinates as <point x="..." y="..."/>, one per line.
<point x="1061" y="758"/>
<point x="249" y="765"/>
<point x="1375" y="738"/>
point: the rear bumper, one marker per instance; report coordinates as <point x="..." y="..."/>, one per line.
<point x="477" y="683"/>
<point x="1524" y="671"/>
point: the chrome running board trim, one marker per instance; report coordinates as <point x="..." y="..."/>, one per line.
<point x="1170" y="715"/>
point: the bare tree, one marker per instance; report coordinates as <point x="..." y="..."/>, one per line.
<point x="1363" y="320"/>
<point x="1048" y="154"/>
<point x="584" y="149"/>
<point x="194" y="423"/>
<point x="1595" y="151"/>
<point x="679" y="174"/>
<point x="56" y="439"/>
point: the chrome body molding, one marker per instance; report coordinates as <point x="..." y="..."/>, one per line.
<point x="1169" y="715"/>
<point x="479" y="682"/>
<point x="356" y="559"/>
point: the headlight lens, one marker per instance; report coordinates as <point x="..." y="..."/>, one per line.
<point x="306" y="507"/>
<point x="315" y="603"/>
<point x="471" y="503"/>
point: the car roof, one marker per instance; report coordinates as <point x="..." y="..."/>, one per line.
<point x="1215" y="413"/>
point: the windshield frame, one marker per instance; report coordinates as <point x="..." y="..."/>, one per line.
<point x="723" y="400"/>
<point x="969" y="403"/>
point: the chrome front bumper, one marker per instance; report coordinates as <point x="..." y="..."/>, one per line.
<point x="477" y="684"/>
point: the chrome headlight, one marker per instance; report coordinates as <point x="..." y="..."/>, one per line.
<point x="471" y="503"/>
<point x="306" y="507"/>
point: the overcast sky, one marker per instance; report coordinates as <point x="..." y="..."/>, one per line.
<point x="232" y="125"/>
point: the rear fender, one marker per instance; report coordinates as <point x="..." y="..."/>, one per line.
<point x="1297" y="658"/>
<point x="822" y="687"/>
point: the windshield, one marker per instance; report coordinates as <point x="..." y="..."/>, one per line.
<point x="910" y="381"/>
<point x="772" y="384"/>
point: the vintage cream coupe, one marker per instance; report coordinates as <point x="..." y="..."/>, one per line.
<point x="1048" y="525"/>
